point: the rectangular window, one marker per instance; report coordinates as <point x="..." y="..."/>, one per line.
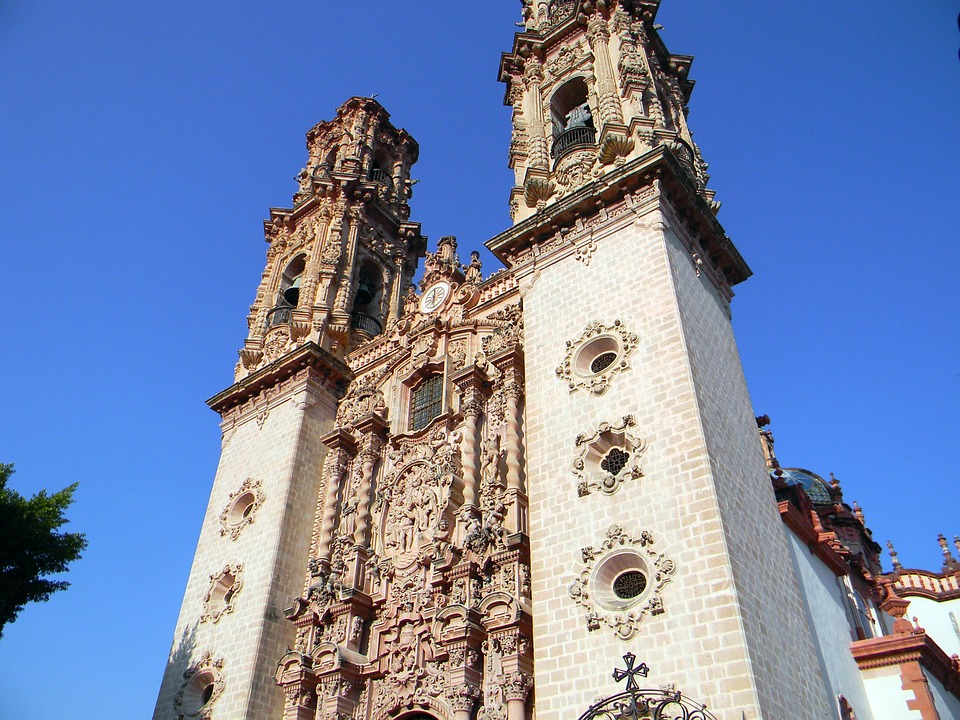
<point x="427" y="402"/>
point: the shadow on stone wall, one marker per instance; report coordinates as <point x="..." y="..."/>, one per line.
<point x="181" y="656"/>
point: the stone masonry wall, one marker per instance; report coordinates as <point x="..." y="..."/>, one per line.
<point x="285" y="455"/>
<point x="701" y="640"/>
<point x="766" y="585"/>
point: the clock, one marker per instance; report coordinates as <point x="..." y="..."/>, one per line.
<point x="434" y="296"/>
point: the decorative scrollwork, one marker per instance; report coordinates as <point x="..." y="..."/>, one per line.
<point x="622" y="582"/>
<point x="638" y="703"/>
<point x="608" y="457"/>
<point x="597" y="356"/>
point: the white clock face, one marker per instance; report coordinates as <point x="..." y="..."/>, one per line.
<point x="434" y="296"/>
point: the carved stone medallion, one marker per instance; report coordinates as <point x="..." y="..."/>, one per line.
<point x="621" y="582"/>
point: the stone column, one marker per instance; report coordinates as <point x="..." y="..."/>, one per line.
<point x="539" y="152"/>
<point x="471" y="382"/>
<point x="395" y="288"/>
<point x="361" y="532"/>
<point x="513" y="391"/>
<point x="371" y="429"/>
<point x="311" y="274"/>
<point x="510" y="363"/>
<point x="341" y="307"/>
<point x="516" y="687"/>
<point x="342" y="447"/>
<point x="608" y="99"/>
<point x="462" y="698"/>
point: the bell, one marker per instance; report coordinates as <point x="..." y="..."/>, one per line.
<point x="292" y="294"/>
<point x="365" y="290"/>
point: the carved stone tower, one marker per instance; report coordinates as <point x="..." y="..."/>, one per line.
<point x="592" y="88"/>
<point x="337" y="265"/>
<point x="652" y="520"/>
<point x="340" y="259"/>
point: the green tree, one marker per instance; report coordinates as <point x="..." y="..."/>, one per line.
<point x="31" y="547"/>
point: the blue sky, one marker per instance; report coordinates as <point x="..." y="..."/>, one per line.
<point x="141" y="145"/>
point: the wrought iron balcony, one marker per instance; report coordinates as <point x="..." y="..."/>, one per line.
<point x="365" y="323"/>
<point x="571" y="139"/>
<point x="381" y="178"/>
<point x="280" y="315"/>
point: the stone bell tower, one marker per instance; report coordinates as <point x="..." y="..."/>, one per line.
<point x="653" y="526"/>
<point x="337" y="264"/>
<point x="340" y="259"/>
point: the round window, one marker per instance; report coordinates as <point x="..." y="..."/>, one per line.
<point x="619" y="581"/>
<point x="597" y="356"/>
<point x="629" y="585"/>
<point x="200" y="692"/>
<point x="602" y="362"/>
<point x="241" y="508"/>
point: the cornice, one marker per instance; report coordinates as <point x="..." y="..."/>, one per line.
<point x="898" y="649"/>
<point x="333" y="374"/>
<point x="612" y="187"/>
<point x="807" y="534"/>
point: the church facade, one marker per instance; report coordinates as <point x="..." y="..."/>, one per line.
<point x="475" y="496"/>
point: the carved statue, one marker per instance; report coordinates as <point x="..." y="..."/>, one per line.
<point x="473" y="272"/>
<point x="490" y="461"/>
<point x="411" y="302"/>
<point x="447" y="249"/>
<point x="406" y="527"/>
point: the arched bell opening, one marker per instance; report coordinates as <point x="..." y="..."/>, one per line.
<point x="572" y="118"/>
<point x="380" y="172"/>
<point x="288" y="292"/>
<point x="366" y="315"/>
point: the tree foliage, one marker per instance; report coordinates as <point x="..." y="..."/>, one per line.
<point x="31" y="547"/>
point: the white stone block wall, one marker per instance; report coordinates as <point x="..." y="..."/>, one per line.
<point x="941" y="620"/>
<point x="887" y="697"/>
<point x="767" y="589"/>
<point x="286" y="455"/>
<point x="712" y="641"/>
<point x="948" y="706"/>
<point x="825" y="610"/>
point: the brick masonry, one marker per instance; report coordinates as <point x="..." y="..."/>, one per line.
<point x="706" y="497"/>
<point x="285" y="454"/>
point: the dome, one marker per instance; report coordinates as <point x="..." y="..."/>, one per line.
<point x="815" y="486"/>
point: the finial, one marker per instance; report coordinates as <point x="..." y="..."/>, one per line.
<point x="896" y="607"/>
<point x="893" y="557"/>
<point x="834" y="482"/>
<point x="858" y="513"/>
<point x="630" y="674"/>
<point x="949" y="562"/>
<point x="956" y="543"/>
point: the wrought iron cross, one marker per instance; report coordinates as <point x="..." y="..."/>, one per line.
<point x="631" y="672"/>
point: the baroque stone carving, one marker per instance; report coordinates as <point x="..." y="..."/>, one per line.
<point x="413" y="499"/>
<point x="222" y="593"/>
<point x="509" y="331"/>
<point x="202" y="686"/>
<point x="575" y="169"/>
<point x="361" y="399"/>
<point x="622" y="582"/>
<point x="597" y="356"/>
<point x="241" y="509"/>
<point x="608" y="458"/>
